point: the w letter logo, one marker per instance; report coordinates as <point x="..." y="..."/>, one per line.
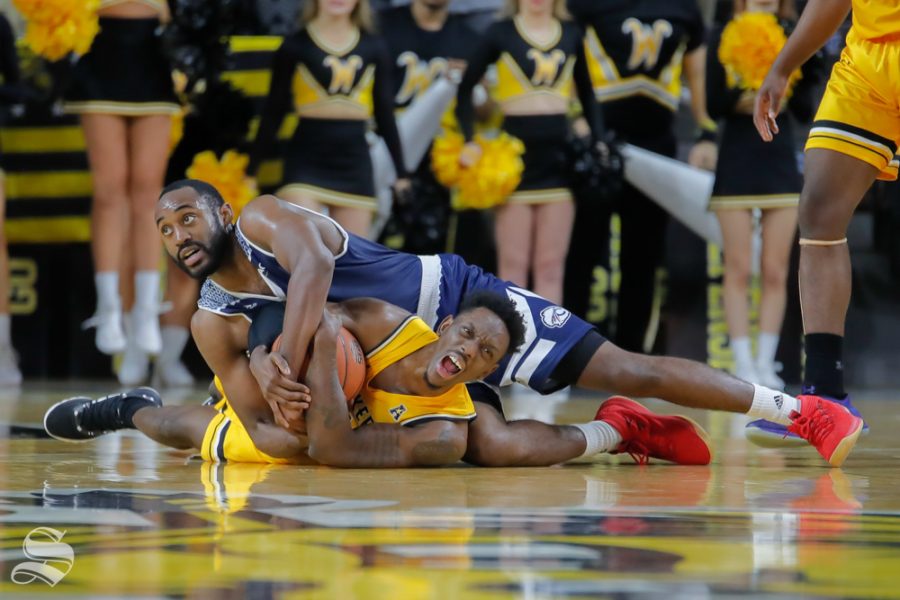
<point x="51" y="559"/>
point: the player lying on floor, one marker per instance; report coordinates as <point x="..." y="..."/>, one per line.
<point x="414" y="408"/>
<point x="281" y="253"/>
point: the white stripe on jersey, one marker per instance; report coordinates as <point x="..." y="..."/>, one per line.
<point x="430" y="289"/>
<point x="530" y="333"/>
<point x="533" y="360"/>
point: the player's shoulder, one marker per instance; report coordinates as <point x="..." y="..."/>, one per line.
<point x="372" y="320"/>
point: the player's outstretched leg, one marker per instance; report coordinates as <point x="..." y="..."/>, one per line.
<point x="80" y="419"/>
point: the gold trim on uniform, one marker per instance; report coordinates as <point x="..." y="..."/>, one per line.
<point x="557" y="35"/>
<point x="332" y="197"/>
<point x="324" y="47"/>
<point x="549" y="195"/>
<point x="763" y="201"/>
<point x="610" y="85"/>
<point x="125" y="109"/>
<point x="159" y="5"/>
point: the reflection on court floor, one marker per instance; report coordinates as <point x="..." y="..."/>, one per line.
<point x="126" y="517"/>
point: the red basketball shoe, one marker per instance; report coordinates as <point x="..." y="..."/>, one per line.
<point x="828" y="426"/>
<point x="646" y="435"/>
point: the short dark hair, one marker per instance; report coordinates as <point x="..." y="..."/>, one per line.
<point x="203" y="189"/>
<point x="501" y="306"/>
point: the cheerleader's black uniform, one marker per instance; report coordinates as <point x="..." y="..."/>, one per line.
<point x="751" y="173"/>
<point x="526" y="68"/>
<point x="330" y="157"/>
<point x="635" y="52"/>
<point x="125" y="72"/>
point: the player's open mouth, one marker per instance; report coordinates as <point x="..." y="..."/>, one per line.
<point x="450" y="366"/>
<point x="190" y="256"/>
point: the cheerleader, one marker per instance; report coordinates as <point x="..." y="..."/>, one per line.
<point x="755" y="175"/>
<point x="336" y="75"/>
<point x="538" y="54"/>
<point x="122" y="89"/>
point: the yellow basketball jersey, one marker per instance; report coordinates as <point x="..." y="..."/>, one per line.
<point x="386" y="407"/>
<point x="873" y="19"/>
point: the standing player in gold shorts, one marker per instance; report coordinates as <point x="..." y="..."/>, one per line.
<point x="853" y="142"/>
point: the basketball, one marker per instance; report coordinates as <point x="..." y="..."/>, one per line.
<point x="351" y="364"/>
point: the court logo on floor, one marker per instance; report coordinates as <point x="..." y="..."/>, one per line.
<point x="50" y="559"/>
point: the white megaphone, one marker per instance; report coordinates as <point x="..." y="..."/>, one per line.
<point x="418" y="125"/>
<point x="681" y="189"/>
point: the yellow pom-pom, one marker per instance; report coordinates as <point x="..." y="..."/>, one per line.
<point x="750" y="43"/>
<point x="445" y="153"/>
<point x="55" y="28"/>
<point x="494" y="176"/>
<point x="228" y="175"/>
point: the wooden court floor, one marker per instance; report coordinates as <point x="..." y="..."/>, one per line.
<point x="124" y="517"/>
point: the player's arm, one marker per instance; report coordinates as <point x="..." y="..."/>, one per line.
<point x="819" y="21"/>
<point x="300" y="249"/>
<point x="218" y="342"/>
<point x="333" y="442"/>
<point x="370" y="320"/>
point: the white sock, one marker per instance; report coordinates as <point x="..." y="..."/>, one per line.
<point x="743" y="356"/>
<point x="767" y="345"/>
<point x="599" y="436"/>
<point x="174" y="339"/>
<point x="5" y="338"/>
<point x="146" y="289"/>
<point x="107" y="284"/>
<point x="772" y="405"/>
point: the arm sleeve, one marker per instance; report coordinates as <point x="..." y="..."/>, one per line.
<point x="585" y="89"/>
<point x="485" y="54"/>
<point x="383" y="107"/>
<point x="276" y="106"/>
<point x="720" y="99"/>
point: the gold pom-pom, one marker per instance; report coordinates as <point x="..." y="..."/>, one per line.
<point x="228" y="175"/>
<point x="494" y="176"/>
<point x="54" y="28"/>
<point x="750" y="43"/>
<point x="445" y="153"/>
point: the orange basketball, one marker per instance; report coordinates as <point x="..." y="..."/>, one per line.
<point x="351" y="364"/>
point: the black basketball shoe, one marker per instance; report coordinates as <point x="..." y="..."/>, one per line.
<point x="81" y="419"/>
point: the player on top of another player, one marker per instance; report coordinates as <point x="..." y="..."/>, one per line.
<point x="414" y="377"/>
<point x="279" y="252"/>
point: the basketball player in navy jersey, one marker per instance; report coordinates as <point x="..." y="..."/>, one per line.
<point x="278" y="252"/>
<point x="413" y="409"/>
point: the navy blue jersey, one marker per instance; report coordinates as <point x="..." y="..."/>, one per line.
<point x="430" y="286"/>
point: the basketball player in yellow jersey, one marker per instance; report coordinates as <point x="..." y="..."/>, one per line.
<point x="853" y="142"/>
<point x="415" y="378"/>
